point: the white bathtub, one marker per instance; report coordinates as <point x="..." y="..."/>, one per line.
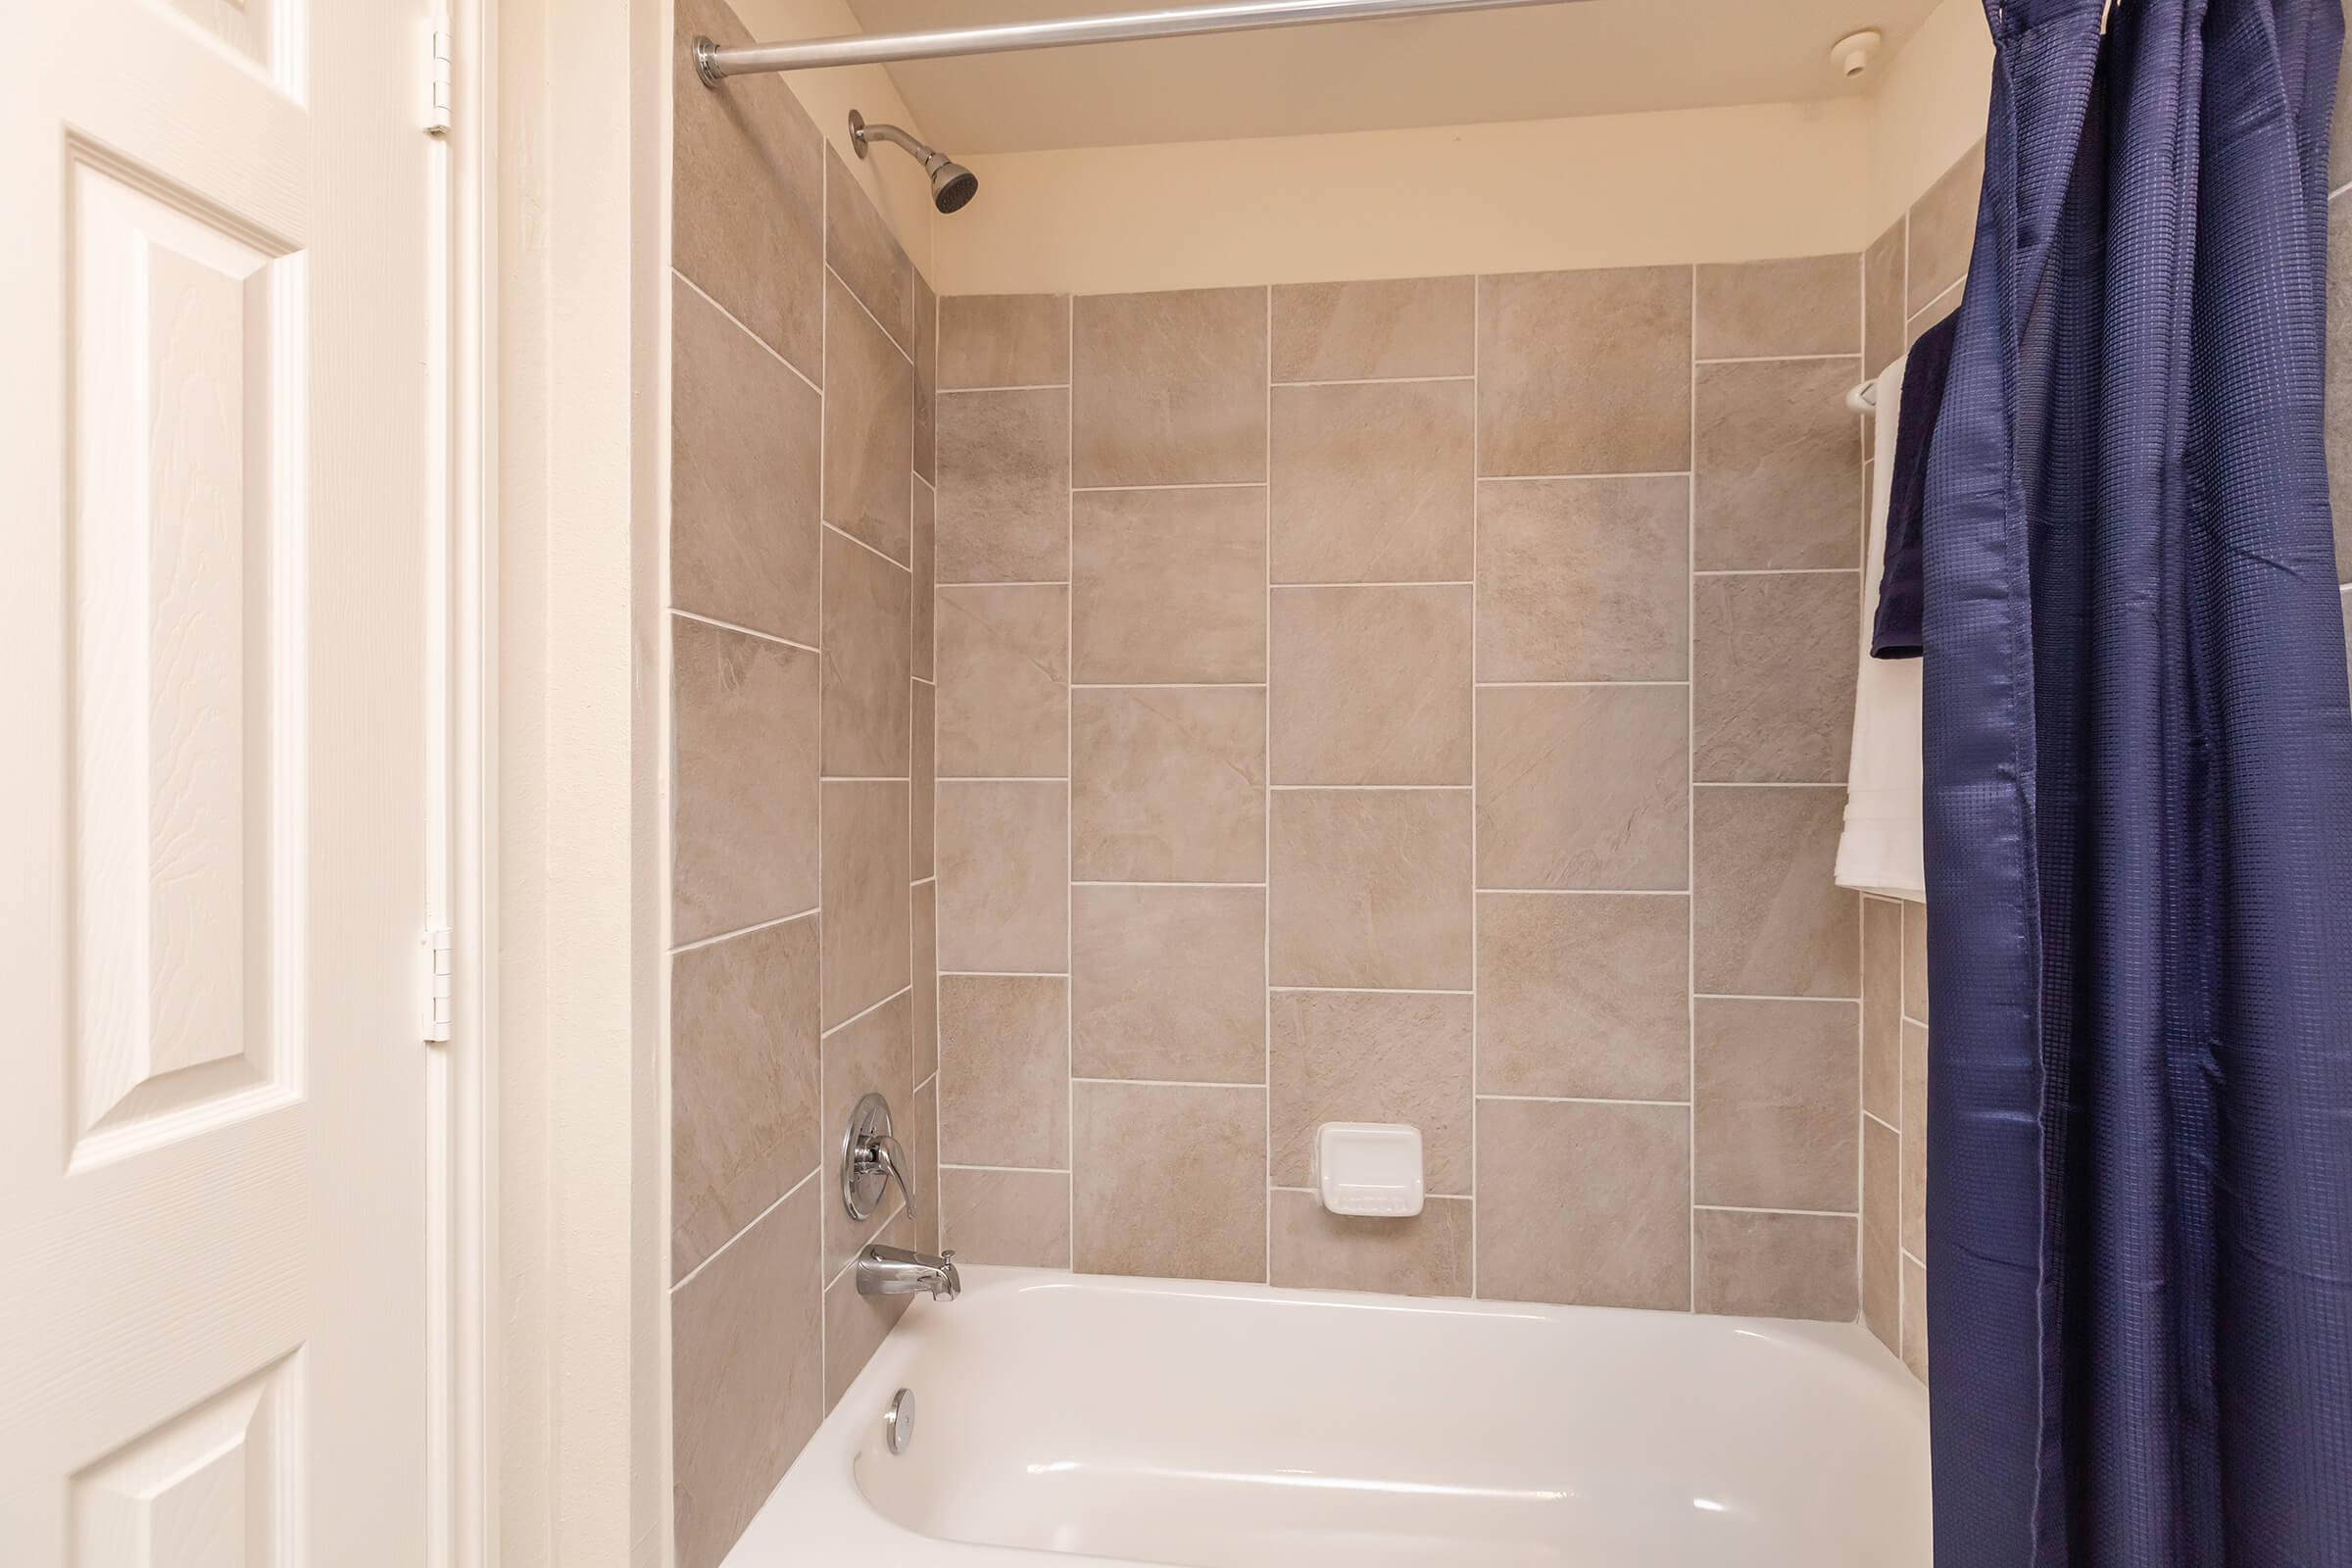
<point x="1233" y="1426"/>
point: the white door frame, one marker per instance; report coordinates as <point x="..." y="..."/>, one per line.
<point x="461" y="1144"/>
<point x="558" y="1356"/>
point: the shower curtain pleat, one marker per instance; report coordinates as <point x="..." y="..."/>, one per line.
<point x="2139" y="773"/>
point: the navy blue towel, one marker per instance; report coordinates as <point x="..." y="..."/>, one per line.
<point x="1896" y="633"/>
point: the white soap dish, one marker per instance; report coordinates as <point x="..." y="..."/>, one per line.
<point x="1370" y="1168"/>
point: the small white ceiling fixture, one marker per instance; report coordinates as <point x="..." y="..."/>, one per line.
<point x="1853" y="53"/>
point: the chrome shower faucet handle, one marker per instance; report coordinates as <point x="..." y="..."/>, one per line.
<point x="871" y="1159"/>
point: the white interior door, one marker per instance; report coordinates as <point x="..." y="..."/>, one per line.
<point x="215" y="423"/>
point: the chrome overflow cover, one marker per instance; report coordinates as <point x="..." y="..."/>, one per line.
<point x="898" y="1422"/>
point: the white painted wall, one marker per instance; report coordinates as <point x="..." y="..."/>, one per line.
<point x="1928" y="109"/>
<point x="1772" y="180"/>
<point x="581" y="1424"/>
<point x="1760" y="180"/>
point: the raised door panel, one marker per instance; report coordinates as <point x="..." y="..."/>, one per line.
<point x="187" y="340"/>
<point x="215" y="1487"/>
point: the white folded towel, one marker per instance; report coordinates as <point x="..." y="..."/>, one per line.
<point x="1879" y="849"/>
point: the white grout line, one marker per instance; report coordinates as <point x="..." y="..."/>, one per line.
<point x="929" y="614"/>
<point x="1577" y="1100"/>
<point x="898" y="1212"/>
<point x="865" y="1013"/>
<point x="1380" y="380"/>
<point x="1551" y="685"/>
<point x="1377" y="582"/>
<point x="1862" y="304"/>
<point x="1285" y="1187"/>
<point x="1032" y="386"/>
<point x="1218" y="484"/>
<point x="1563" y="478"/>
<point x="1872" y="1116"/>
<point x="1474" y="541"/>
<point x="1902" y="970"/>
<point x="1003" y="974"/>
<point x="1733" y="996"/>
<point x="856" y="299"/>
<point x="1779" y="571"/>
<point x="740" y="931"/>
<point x="1691" y="807"/>
<point x="1941" y="295"/>
<point x="1774" y="358"/>
<point x="1863" y="443"/>
<point x="1069" y="760"/>
<point x="1001" y="778"/>
<point x="1902" y="282"/>
<point x="1171" y="1083"/>
<point x="1802" y="1213"/>
<point x="824" y="408"/>
<point x="1593" y="893"/>
<point x="1375" y="789"/>
<point x="1266" y="801"/>
<point x="720" y="1251"/>
<point x="1369" y="990"/>
<point x="748" y="631"/>
<point x="1167" y="685"/>
<point x="665" y="707"/>
<point x="879" y="554"/>
<point x="757" y="338"/>
<point x="1018" y="583"/>
<point x="1903" y="334"/>
<point x="1009" y="1170"/>
<point x="1085" y="882"/>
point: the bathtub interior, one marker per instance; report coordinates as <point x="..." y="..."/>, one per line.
<point x="1219" y="1427"/>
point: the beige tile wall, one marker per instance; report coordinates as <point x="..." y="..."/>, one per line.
<point x="1895" y="1125"/>
<point x="1332" y="726"/>
<point x="1911" y="278"/>
<point x="803" y="906"/>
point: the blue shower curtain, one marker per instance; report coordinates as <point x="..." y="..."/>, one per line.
<point x="2139" y="812"/>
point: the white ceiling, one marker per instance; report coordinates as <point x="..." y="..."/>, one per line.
<point x="1591" y="56"/>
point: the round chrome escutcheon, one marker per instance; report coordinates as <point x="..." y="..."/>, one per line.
<point x="898" y="1422"/>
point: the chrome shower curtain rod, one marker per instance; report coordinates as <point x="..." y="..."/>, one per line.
<point x="1234" y="16"/>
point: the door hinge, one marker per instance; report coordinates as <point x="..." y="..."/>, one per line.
<point x="438" y="965"/>
<point x="437" y="110"/>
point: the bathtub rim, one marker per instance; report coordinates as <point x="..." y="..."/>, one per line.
<point x="817" y="1512"/>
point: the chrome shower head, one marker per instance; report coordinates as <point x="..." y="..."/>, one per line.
<point x="952" y="184"/>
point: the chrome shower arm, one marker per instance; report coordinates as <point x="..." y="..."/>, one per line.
<point x="923" y="152"/>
